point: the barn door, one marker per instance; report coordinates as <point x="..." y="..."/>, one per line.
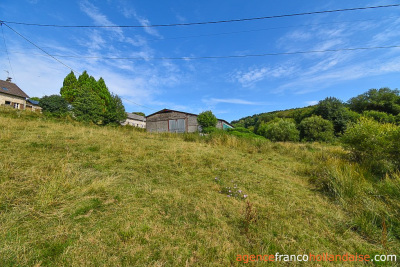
<point x="177" y="126"/>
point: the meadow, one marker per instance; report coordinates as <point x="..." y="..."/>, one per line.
<point x="83" y="195"/>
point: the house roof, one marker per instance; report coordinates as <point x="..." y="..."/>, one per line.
<point x="33" y="102"/>
<point x="11" y="89"/>
<point x="171" y="110"/>
<point x="135" y="117"/>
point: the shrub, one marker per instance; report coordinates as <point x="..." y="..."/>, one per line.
<point x="316" y="128"/>
<point x="54" y="105"/>
<point x="374" y="144"/>
<point x="379" y="116"/>
<point x="281" y="130"/>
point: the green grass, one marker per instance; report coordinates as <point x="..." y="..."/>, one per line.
<point x="80" y="195"/>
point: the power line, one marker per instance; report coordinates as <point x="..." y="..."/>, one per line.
<point x="8" y="55"/>
<point x="26" y="39"/>
<point x="228" y="56"/>
<point x="204" y="22"/>
<point x="137" y="103"/>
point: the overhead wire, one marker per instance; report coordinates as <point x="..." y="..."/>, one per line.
<point x="38" y="47"/>
<point x="137" y="103"/>
<point x="190" y="24"/>
<point x="203" y="22"/>
<point x="8" y="55"/>
<point x="228" y="56"/>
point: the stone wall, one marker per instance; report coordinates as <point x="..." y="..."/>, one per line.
<point x="159" y="122"/>
<point x="12" y="99"/>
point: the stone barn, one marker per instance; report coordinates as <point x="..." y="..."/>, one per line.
<point x="174" y="121"/>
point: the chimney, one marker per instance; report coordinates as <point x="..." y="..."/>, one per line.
<point x="8" y="79"/>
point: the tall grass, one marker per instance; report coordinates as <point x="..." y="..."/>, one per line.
<point x="78" y="195"/>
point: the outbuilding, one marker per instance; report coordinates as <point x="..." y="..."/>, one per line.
<point x="173" y="121"/>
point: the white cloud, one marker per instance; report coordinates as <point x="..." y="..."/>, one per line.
<point x="215" y="101"/>
<point x="312" y="102"/>
<point x="254" y="75"/>
<point x="316" y="81"/>
<point x="100" y="19"/>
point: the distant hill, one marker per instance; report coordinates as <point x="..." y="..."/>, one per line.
<point x="252" y="121"/>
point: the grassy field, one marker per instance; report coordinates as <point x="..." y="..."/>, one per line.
<point x="80" y="195"/>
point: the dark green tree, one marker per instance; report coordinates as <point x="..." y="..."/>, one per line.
<point x="115" y="111"/>
<point x="207" y="120"/>
<point x="70" y="88"/>
<point x="334" y="110"/>
<point x="55" y="105"/>
<point x="104" y="107"/>
<point x="88" y="107"/>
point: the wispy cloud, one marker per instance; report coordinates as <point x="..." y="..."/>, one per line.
<point x="311" y="102"/>
<point x="129" y="12"/>
<point x="253" y="75"/>
<point x="99" y="18"/>
<point x="215" y="101"/>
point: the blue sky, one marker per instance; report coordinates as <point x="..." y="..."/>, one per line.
<point x="231" y="87"/>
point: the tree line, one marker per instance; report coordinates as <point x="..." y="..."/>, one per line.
<point x="326" y="120"/>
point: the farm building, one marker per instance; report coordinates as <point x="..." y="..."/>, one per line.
<point x="12" y="96"/>
<point x="174" y="121"/>
<point x="135" y="120"/>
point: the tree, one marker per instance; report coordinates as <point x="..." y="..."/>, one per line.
<point x="87" y="107"/>
<point x="207" y="119"/>
<point x="70" y="88"/>
<point x="316" y="128"/>
<point x="139" y="113"/>
<point x="334" y="110"/>
<point x="384" y="100"/>
<point x="91" y="100"/>
<point x="115" y="112"/>
<point x="35" y="98"/>
<point x="55" y="105"/>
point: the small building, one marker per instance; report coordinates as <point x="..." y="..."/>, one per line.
<point x="12" y="95"/>
<point x="33" y="105"/>
<point x="174" y="121"/>
<point x="135" y="120"/>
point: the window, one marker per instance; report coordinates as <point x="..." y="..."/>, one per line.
<point x="8" y="103"/>
<point x="16" y="105"/>
<point x="5" y="88"/>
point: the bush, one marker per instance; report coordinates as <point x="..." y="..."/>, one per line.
<point x="316" y="128"/>
<point x="374" y="144"/>
<point x="54" y="105"/>
<point x="243" y="132"/>
<point x="281" y="130"/>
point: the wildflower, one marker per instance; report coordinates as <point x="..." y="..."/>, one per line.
<point x="240" y="191"/>
<point x="228" y="195"/>
<point x="230" y="191"/>
<point x="244" y="196"/>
